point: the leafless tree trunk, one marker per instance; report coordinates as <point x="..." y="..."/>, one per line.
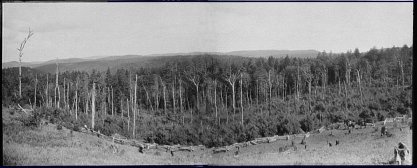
<point x="215" y="98"/>
<point x="112" y="100"/>
<point x="56" y="82"/>
<point x="121" y="108"/>
<point x="257" y="94"/>
<point x="93" y="105"/>
<point x="59" y="97"/>
<point x="135" y="108"/>
<point x="36" y="84"/>
<point x="128" y="115"/>
<point x="270" y="93"/>
<point x="165" y="100"/>
<point x="65" y="98"/>
<point x="46" y="91"/>
<point x="76" y="100"/>
<point x="227" y="111"/>
<point x="241" y="97"/>
<point x="181" y="101"/>
<point x="20" y="49"/>
<point x="359" y="85"/>
<point x="173" y="98"/>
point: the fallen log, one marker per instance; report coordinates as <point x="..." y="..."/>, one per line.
<point x="320" y="130"/>
<point x="24" y="110"/>
<point x="151" y="146"/>
<point x="271" y="139"/>
<point x="218" y="150"/>
<point x="188" y="148"/>
<point x="253" y="142"/>
<point x="261" y="140"/>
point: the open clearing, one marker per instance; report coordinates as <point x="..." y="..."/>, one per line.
<point x="49" y="146"/>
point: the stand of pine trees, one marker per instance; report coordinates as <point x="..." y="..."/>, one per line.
<point x="218" y="100"/>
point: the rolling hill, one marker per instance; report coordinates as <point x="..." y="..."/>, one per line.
<point x="101" y="63"/>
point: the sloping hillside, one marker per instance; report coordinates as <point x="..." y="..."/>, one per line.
<point x="155" y="60"/>
<point x="48" y="146"/>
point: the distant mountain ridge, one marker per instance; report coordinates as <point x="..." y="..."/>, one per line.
<point x="101" y="63"/>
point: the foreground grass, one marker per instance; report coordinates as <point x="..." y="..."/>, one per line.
<point x="48" y="146"/>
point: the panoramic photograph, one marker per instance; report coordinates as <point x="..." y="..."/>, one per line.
<point x="260" y="83"/>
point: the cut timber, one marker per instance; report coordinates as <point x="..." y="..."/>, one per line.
<point x="24" y="110"/>
<point x="261" y="140"/>
<point x="218" y="150"/>
<point x="321" y="129"/>
<point x="253" y="142"/>
<point x="188" y="148"/>
<point x="271" y="139"/>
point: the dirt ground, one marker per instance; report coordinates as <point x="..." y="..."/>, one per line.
<point x="49" y="146"/>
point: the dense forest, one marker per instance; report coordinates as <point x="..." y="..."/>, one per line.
<point x="217" y="100"/>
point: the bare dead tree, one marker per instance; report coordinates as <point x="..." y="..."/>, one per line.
<point x="93" y="105"/>
<point x="241" y="96"/>
<point x="56" y="83"/>
<point x="135" y="108"/>
<point x="231" y="79"/>
<point x="76" y="100"/>
<point x="20" y="49"/>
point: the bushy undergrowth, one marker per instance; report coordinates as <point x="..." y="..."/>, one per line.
<point x="286" y="117"/>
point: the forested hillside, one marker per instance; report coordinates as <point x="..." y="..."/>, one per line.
<point x="217" y="100"/>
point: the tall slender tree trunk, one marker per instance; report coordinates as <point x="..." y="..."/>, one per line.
<point x="65" y="101"/>
<point x="59" y="97"/>
<point x="257" y="94"/>
<point x="76" y="100"/>
<point x="346" y="96"/>
<point x="46" y="91"/>
<point x="112" y="100"/>
<point x="309" y="95"/>
<point x="359" y="85"/>
<point x="173" y="98"/>
<point x="93" y="105"/>
<point x="233" y="101"/>
<point x="270" y="93"/>
<point x="56" y="83"/>
<point x="181" y="108"/>
<point x="215" y="99"/>
<point x="227" y="110"/>
<point x="135" y="109"/>
<point x="36" y="84"/>
<point x="20" y="77"/>
<point x="241" y="97"/>
<point x="165" y="100"/>
<point x="128" y="115"/>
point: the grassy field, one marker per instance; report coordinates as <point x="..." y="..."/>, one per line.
<point x="48" y="146"/>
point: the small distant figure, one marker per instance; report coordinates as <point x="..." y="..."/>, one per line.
<point x="292" y="143"/>
<point x="172" y="153"/>
<point x="402" y="152"/>
<point x="337" y="142"/>
<point x="330" y="144"/>
<point x="141" y="149"/>
<point x="237" y="152"/>
<point x="303" y="142"/>
<point x="383" y="131"/>
<point x="349" y="131"/>
<point x="305" y="146"/>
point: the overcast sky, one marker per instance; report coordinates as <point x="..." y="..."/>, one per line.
<point x="80" y="30"/>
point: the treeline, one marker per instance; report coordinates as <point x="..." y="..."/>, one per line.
<point x="207" y="99"/>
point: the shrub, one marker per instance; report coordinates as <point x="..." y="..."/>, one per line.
<point x="59" y="127"/>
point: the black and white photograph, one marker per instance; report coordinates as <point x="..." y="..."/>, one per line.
<point x="207" y="83"/>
